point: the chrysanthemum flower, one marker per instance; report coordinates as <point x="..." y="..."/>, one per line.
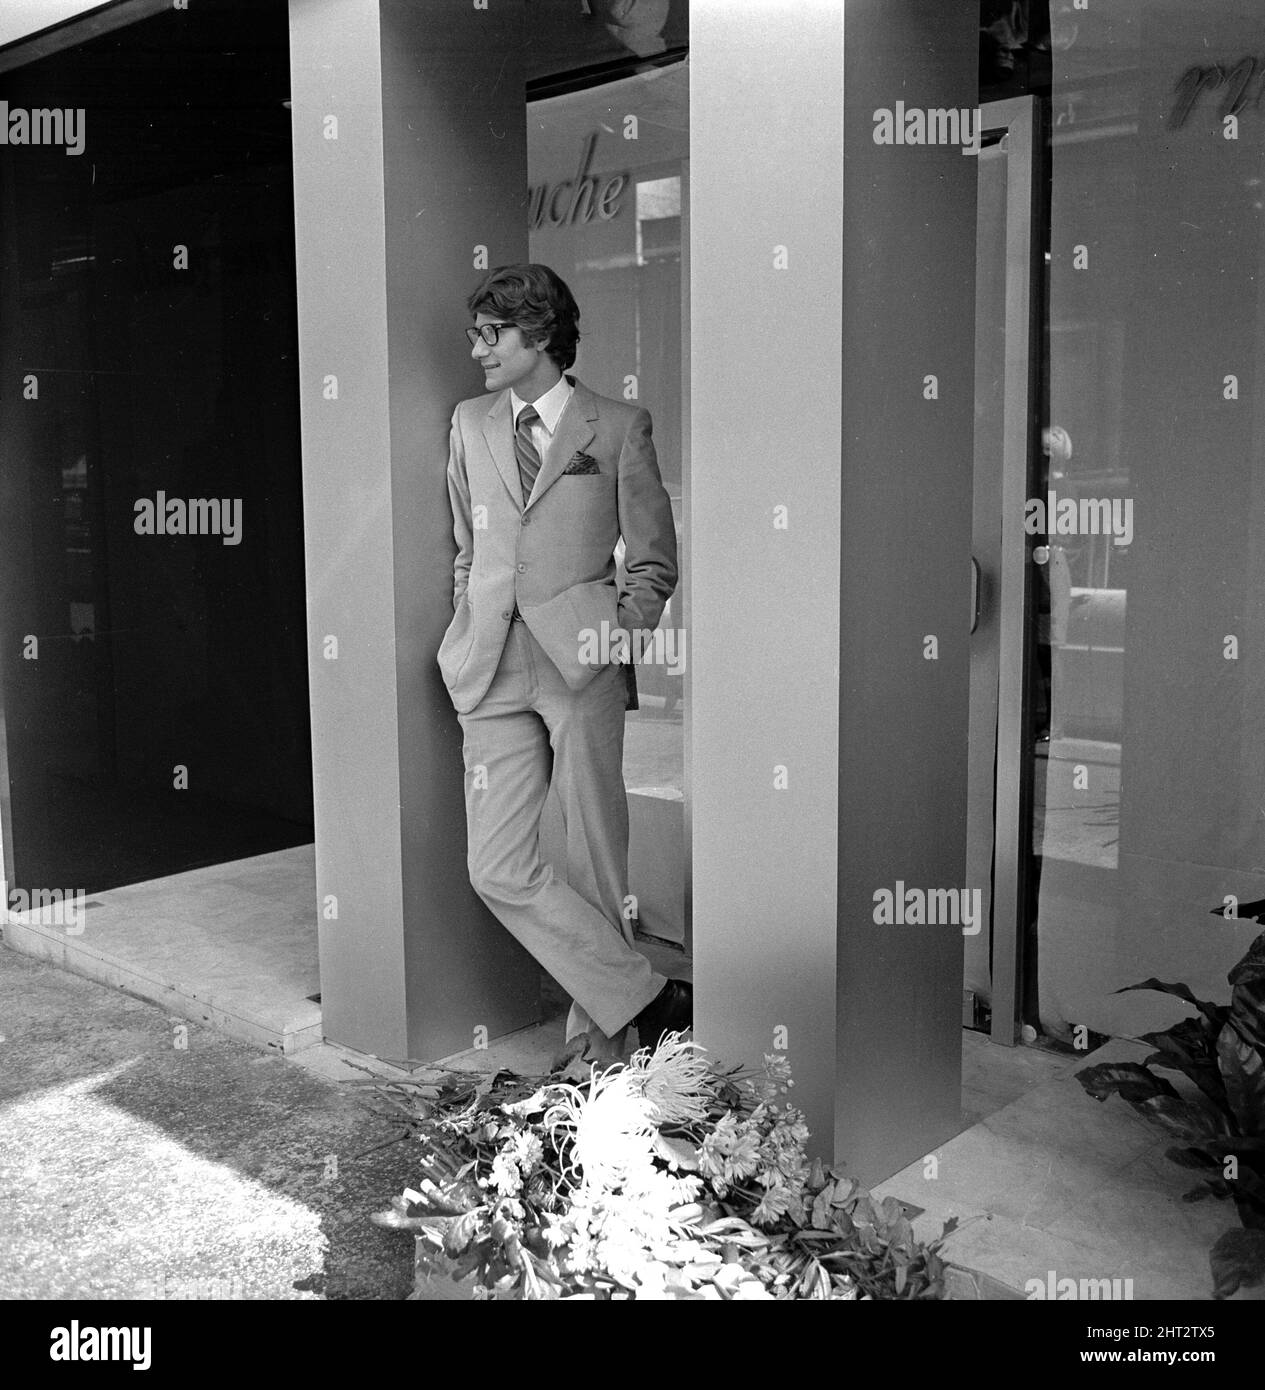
<point x="505" y="1175"/>
<point x="772" y="1206"/>
<point x="674" y="1078"/>
<point x="609" y="1128"/>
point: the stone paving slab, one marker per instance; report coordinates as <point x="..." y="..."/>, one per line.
<point x="132" y="1166"/>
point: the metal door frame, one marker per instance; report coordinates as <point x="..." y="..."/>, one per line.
<point x="1022" y="121"/>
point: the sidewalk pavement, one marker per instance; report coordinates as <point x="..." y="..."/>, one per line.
<point x="132" y="1166"/>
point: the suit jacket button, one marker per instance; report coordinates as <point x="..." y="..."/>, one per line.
<point x="507" y="616"/>
<point x="521" y="568"/>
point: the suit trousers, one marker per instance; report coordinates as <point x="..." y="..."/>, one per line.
<point x="528" y="733"/>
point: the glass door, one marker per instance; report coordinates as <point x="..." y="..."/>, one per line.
<point x="1146" y="751"/>
<point x="1119" y="657"/>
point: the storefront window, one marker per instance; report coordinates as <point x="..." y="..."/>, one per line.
<point x="152" y="616"/>
<point x="608" y="169"/>
<point x="1148" y="744"/>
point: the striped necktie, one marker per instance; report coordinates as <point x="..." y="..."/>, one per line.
<point x="525" y="448"/>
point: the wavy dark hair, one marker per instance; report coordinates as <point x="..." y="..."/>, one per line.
<point x="538" y="301"/>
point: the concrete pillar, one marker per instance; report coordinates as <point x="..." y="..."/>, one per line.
<point x="830" y="521"/>
<point x="409" y="155"/>
<point x="765" y="295"/>
<point x="908" y="463"/>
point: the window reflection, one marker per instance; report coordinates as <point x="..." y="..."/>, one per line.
<point x="1150" y="748"/>
<point x="606" y="212"/>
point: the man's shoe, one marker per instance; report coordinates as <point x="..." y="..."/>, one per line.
<point x="670" y="1011"/>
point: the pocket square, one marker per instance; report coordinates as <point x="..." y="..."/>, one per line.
<point x="581" y="463"/>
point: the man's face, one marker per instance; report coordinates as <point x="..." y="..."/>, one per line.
<point x="513" y="361"/>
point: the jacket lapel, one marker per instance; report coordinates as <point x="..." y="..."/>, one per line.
<point x="498" y="431"/>
<point x="574" y="434"/>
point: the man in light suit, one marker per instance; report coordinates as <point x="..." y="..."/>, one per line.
<point x="544" y="477"/>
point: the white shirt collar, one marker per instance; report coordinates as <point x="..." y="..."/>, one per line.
<point x="549" y="406"/>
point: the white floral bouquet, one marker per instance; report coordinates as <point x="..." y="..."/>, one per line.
<point x="664" y="1178"/>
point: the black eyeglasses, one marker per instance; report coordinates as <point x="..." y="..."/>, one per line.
<point x="489" y="332"/>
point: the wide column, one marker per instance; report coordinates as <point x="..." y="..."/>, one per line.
<point x="830" y="538"/>
<point x="410" y="170"/>
<point x="766" y="200"/>
<point x="908" y="465"/>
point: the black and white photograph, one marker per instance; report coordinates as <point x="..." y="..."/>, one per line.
<point x="632" y="666"/>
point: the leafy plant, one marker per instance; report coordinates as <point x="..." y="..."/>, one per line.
<point x="1220" y="1121"/>
<point x="665" y="1178"/>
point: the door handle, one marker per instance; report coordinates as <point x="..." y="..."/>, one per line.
<point x="975" y="593"/>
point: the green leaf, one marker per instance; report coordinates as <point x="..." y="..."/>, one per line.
<point x="1130" y="1080"/>
<point x="395" y="1221"/>
<point x="461" y="1232"/>
<point x="1209" y="1010"/>
<point x="1251" y="965"/>
<point x="545" y="1270"/>
<point x="891" y="1210"/>
<point x="1191" y="1037"/>
<point x="1247" y="1003"/>
<point x="1192" y="1158"/>
<point x="1238" y="1261"/>
<point x="901" y="1235"/>
<point x="863" y="1213"/>
<point x="678" y="1153"/>
<point x="1244" y="1075"/>
<point x="1250" y="1145"/>
<point x="821" y="1210"/>
<point x="841" y="1222"/>
<point x="1183" y="1119"/>
<point x="726" y="1225"/>
<point x="691" y="1213"/>
<point x="1189" y="1047"/>
<point x="467" y="1263"/>
<point x="1248" y="1191"/>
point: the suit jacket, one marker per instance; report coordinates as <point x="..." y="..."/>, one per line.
<point x="554" y="558"/>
